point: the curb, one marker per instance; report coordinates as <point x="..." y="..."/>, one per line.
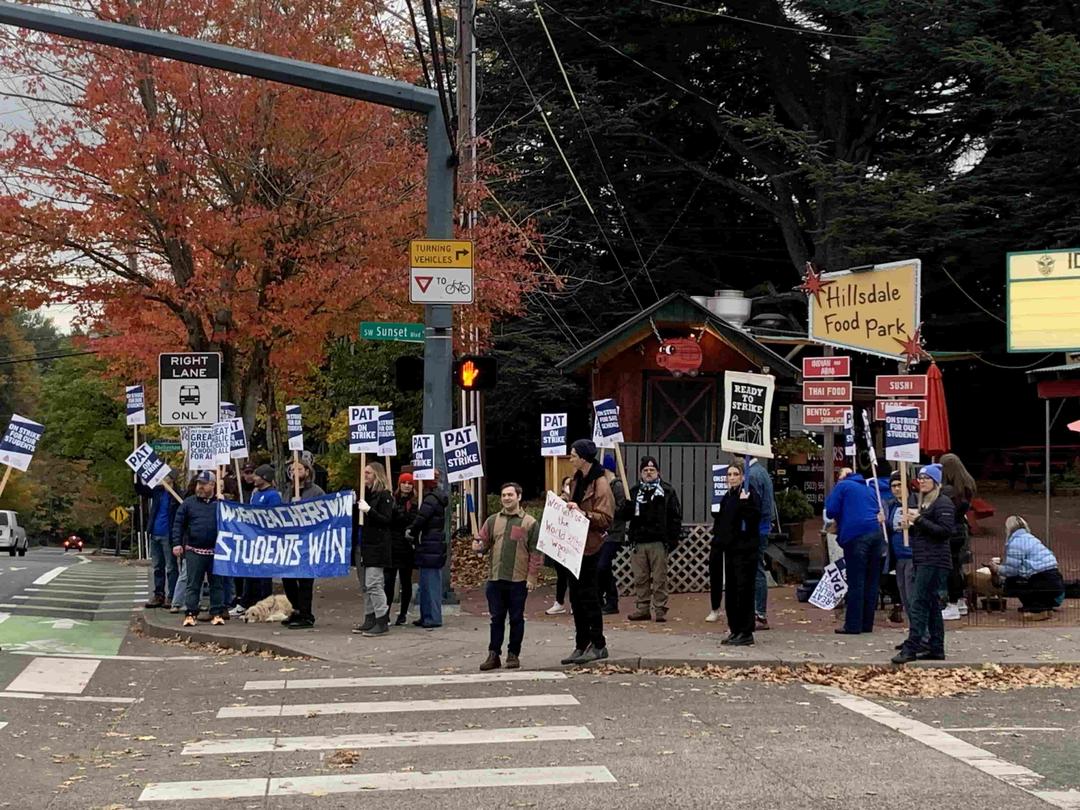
<point x="244" y="645"/>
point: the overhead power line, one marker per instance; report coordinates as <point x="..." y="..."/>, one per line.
<point x="794" y="29"/>
<point x="7" y="361"/>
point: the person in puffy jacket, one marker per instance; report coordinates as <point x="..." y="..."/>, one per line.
<point x="401" y="550"/>
<point x="733" y="556"/>
<point x="194" y="534"/>
<point x="1029" y="571"/>
<point x="428" y="533"/>
<point x="930" y="527"/>
<point x="373" y="555"/>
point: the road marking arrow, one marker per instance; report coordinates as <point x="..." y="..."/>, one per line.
<point x="61" y="624"/>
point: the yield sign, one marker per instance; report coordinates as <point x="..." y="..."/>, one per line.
<point x="423" y="282"/>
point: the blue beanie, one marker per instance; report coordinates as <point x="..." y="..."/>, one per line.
<point x="932" y="471"/>
<point x="609" y="463"/>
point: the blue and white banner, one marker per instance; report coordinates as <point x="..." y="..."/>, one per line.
<point x="147" y="464"/>
<point x="553" y="434"/>
<point x="606" y="417"/>
<point x="719" y="485"/>
<point x="363" y="429"/>
<point x="461" y="447"/>
<point x="387" y="440"/>
<point x="226" y="411"/>
<point x="19" y="442"/>
<point x="902" y="434"/>
<point x="294" y="423"/>
<point x="136" y="405"/>
<point x="423" y="457"/>
<point x="201" y="449"/>
<point x="222" y="443"/>
<point x="238" y="446"/>
<point x="302" y="540"/>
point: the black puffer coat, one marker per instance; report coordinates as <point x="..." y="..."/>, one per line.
<point x="374" y="535"/>
<point x="428" y="530"/>
<point x="931" y="532"/>
<point x="401" y="550"/>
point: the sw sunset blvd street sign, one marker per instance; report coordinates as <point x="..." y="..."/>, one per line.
<point x="402" y="332"/>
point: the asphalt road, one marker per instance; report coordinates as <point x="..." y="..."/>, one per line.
<point x="231" y="728"/>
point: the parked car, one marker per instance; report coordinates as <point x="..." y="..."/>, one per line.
<point x="12" y="535"/>
<point x="73" y="543"/>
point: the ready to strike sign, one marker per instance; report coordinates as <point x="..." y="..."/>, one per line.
<point x="461" y="447"/>
<point x="553" y="434"/>
<point x="19" y="442"/>
<point x="902" y="434"/>
<point x="294" y="423"/>
<point x="136" y="405"/>
<point x="607" y="431"/>
<point x="423" y="456"/>
<point x="363" y="429"/>
<point x="748" y="414"/>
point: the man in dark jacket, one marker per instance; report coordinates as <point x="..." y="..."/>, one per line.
<point x="613" y="543"/>
<point x="654" y="523"/>
<point x="194" y="534"/>
<point x="428" y="533"/>
<point x="163" y="508"/>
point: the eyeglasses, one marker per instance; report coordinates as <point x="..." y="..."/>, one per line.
<point x="925" y="478"/>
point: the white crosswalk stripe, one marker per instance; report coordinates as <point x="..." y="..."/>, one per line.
<point x="475" y="739"/>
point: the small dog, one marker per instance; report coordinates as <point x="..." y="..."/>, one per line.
<point x="276" y="608"/>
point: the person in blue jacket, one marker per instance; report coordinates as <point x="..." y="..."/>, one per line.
<point x="761" y="484"/>
<point x="901" y="554"/>
<point x="163" y="508"/>
<point x="853" y="504"/>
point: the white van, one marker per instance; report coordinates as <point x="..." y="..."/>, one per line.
<point x="12" y="535"/>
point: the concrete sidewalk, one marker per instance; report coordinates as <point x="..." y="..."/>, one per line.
<point x="461" y="643"/>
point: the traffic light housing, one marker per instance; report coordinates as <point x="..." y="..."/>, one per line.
<point x="475" y="372"/>
<point x="409" y="373"/>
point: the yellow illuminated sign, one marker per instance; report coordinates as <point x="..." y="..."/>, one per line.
<point x="874" y="311"/>
<point x="1043" y="300"/>
<point x="438" y="254"/>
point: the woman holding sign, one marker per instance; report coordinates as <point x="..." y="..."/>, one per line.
<point x="735" y="546"/>
<point x="373" y="555"/>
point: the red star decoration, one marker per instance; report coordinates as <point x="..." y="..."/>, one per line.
<point x="812" y="283"/>
<point x="913" y="350"/>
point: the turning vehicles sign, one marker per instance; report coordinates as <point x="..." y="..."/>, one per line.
<point x="189" y="388"/>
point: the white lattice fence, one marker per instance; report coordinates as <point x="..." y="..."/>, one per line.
<point x="688" y="565"/>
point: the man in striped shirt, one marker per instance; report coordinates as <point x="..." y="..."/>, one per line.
<point x="511" y="536"/>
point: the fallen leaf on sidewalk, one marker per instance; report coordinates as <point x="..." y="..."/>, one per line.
<point x="343" y="759"/>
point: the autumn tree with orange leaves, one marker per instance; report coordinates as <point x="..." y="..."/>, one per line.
<point x="184" y="208"/>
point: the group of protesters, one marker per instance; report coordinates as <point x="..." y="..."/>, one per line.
<point x="915" y="541"/>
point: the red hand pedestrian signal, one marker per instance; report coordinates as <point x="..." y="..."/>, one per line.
<point x="475" y="373"/>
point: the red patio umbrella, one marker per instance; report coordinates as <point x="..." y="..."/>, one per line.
<point x="934" y="433"/>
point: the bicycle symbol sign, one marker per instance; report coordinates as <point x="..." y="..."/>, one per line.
<point x="442" y="286"/>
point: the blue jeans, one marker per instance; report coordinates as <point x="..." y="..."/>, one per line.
<point x="430" y="593"/>
<point x="924" y="614"/>
<point x="863" y="559"/>
<point x="165" y="570"/>
<point x="200" y="567"/>
<point x="506" y="598"/>
<point x="761" y="583"/>
<point x="179" y="593"/>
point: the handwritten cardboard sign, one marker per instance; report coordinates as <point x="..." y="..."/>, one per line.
<point x="563" y="533"/>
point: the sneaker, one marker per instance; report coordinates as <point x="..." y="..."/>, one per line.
<point x="951" y="613"/>
<point x="217" y="620"/>
<point x="238" y="611"/>
<point x="905" y="656"/>
<point x="714" y="616"/>
<point x="401" y="619"/>
<point x="573" y="657"/>
<point x="512" y="661"/>
<point x="292" y="617"/>
<point x="175" y="609"/>
<point x="929" y="656"/>
<point x="761" y="623"/>
<point x="555" y="609"/>
<point x="962" y="606"/>
<point x="189" y="621"/>
<point x="491" y="662"/>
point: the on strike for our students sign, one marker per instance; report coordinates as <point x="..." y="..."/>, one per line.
<point x="387" y="437"/>
<point x="902" y="434"/>
<point x="719" y="485"/>
<point x="19" y="442"/>
<point x="136" y="405"/>
<point x="294" y="423"/>
<point x="461" y="447"/>
<point x="563" y="533"/>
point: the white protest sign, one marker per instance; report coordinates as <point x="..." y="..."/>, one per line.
<point x="832" y="587"/>
<point x="146" y="464"/>
<point x="387" y="440"/>
<point x="201" y="449"/>
<point x="607" y="432"/>
<point x="222" y="433"/>
<point x="363" y="429"/>
<point x="136" y="404"/>
<point x="423" y="457"/>
<point x="19" y="442"/>
<point x="461" y="448"/>
<point x="563" y="533"/>
<point x="553" y="434"/>
<point x="902" y="434"/>
<point x="748" y="414"/>
<point x="238" y="447"/>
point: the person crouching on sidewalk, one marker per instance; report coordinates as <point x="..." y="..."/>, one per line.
<point x="511" y="536"/>
<point x="194" y="534"/>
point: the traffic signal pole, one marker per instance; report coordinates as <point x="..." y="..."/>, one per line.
<point x="438" y="319"/>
